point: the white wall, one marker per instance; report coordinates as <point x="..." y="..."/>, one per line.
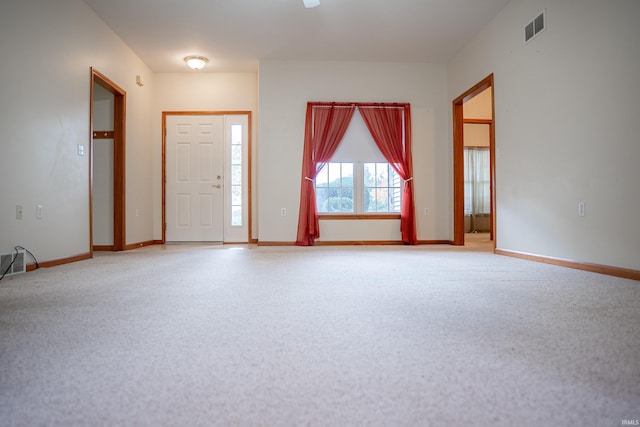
<point x="201" y="91"/>
<point x="567" y="128"/>
<point x="285" y="89"/>
<point x="47" y="50"/>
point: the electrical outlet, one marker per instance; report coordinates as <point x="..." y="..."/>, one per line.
<point x="426" y="211"/>
<point x="283" y="211"/>
<point x="18" y="211"/>
<point x="581" y="211"/>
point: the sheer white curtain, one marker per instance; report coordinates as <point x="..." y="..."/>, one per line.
<point x="477" y="198"/>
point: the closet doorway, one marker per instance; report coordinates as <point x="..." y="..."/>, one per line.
<point x="107" y="165"/>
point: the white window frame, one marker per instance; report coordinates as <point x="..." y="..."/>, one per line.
<point x="359" y="195"/>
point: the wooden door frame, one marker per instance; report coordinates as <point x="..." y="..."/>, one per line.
<point x="164" y="163"/>
<point x="458" y="161"/>
<point x="119" y="153"/>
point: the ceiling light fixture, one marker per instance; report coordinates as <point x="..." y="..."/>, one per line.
<point x="196" y="62"/>
<point x="311" y="3"/>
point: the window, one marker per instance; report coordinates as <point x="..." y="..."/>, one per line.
<point x="236" y="175"/>
<point x="358" y="180"/>
<point x="327" y="133"/>
<point x="334" y="188"/>
<point x="477" y="192"/>
<point x="382" y="190"/>
<point x="358" y="188"/>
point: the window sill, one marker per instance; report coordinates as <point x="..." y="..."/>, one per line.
<point x="347" y="217"/>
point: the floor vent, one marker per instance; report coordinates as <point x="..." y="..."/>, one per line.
<point x="535" y="27"/>
<point x="13" y="263"/>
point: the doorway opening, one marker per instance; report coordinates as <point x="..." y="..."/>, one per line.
<point x="483" y="125"/>
<point x="106" y="165"/>
<point x="206" y="177"/>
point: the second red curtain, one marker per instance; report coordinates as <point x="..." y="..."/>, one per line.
<point x="390" y="127"/>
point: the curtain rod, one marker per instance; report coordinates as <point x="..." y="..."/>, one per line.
<point x="360" y="104"/>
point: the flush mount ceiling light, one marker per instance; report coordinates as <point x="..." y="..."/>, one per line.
<point x="196" y="62"/>
<point x="311" y="3"/>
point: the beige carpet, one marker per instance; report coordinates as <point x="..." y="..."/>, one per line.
<point x="321" y="336"/>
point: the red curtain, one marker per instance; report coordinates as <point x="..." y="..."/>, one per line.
<point x="390" y="127"/>
<point x="325" y="126"/>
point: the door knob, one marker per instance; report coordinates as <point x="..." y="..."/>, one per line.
<point x="217" y="185"/>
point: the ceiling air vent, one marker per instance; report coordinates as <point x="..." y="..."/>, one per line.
<point x="535" y="27"/>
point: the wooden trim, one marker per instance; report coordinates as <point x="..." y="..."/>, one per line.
<point x="355" y="243"/>
<point x="119" y="159"/>
<point x="105" y="82"/>
<point x="268" y="243"/>
<point x="206" y="113"/>
<point x="458" y="171"/>
<point x="141" y="244"/>
<point x="458" y="159"/>
<point x="476" y="89"/>
<point x="92" y="82"/>
<point x="358" y="242"/>
<point x="164" y="176"/>
<point x="103" y="134"/>
<point x="102" y="248"/>
<point x="61" y="261"/>
<point x="477" y="121"/>
<point x="249" y="163"/>
<point x="119" y="172"/>
<point x="358" y="216"/>
<point x="594" y="268"/>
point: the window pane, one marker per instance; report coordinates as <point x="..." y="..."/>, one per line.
<point x="335" y="175"/>
<point x="394" y="178"/>
<point x="322" y="179"/>
<point x="369" y="174"/>
<point x="369" y="199"/>
<point x="396" y="200"/>
<point x="236" y="195"/>
<point x="236" y="134"/>
<point x="382" y="200"/>
<point x="346" y="200"/>
<point x="347" y="170"/>
<point x="236" y="154"/>
<point x="322" y="199"/>
<point x="382" y="175"/>
<point x="334" y="188"/>
<point x="236" y="175"/>
<point x="236" y="215"/>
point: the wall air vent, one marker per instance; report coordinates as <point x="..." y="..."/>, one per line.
<point x="535" y="27"/>
<point x="12" y="263"/>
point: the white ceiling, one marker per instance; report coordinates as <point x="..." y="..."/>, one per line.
<point x="236" y="34"/>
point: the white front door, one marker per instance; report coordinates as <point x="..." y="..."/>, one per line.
<point x="207" y="178"/>
<point x="194" y="178"/>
